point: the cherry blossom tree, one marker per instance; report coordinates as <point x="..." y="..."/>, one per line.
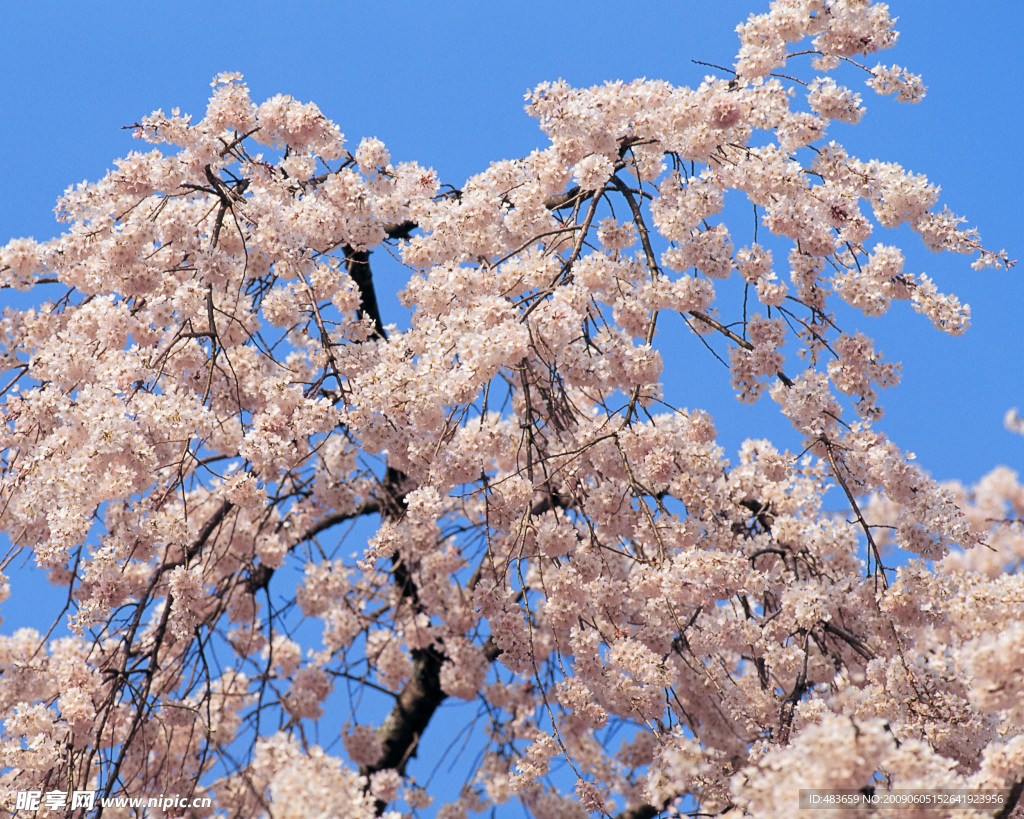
<point x="207" y="409"/>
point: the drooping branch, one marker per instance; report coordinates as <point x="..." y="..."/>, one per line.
<point x="659" y="534"/>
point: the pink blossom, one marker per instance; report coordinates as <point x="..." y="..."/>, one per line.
<point x="269" y="502"/>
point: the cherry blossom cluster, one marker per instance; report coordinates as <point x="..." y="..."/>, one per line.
<point x="205" y="401"/>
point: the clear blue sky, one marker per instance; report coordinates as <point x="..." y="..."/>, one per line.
<point x="443" y="83"/>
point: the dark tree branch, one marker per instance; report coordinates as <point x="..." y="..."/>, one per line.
<point x="1012" y="798"/>
<point x="359" y="269"/>
<point x="401" y="731"/>
<point x="639" y="812"/>
<point x="400" y="230"/>
<point x="422" y="695"/>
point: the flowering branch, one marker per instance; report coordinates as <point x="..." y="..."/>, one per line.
<point x="543" y="531"/>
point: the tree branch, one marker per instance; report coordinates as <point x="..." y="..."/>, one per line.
<point x="639" y="812"/>
<point x="1012" y="798"/>
<point x="359" y="269"/>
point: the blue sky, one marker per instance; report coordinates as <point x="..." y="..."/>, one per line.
<point x="443" y="83"/>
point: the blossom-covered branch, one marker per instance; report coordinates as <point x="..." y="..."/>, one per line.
<point x="278" y="514"/>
